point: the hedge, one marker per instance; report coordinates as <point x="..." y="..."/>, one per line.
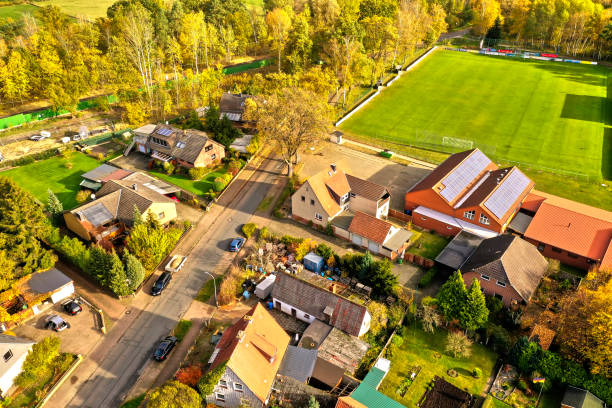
<point x="427" y="277"/>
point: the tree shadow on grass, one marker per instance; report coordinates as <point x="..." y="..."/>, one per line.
<point x="606" y="154"/>
<point x="586" y="107"/>
<point x="463" y="372"/>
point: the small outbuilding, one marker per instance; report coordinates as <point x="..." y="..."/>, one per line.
<point x="313" y="262"/>
<point x="264" y="288"/>
<point x="53" y="282"/>
<point x="578" y="398"/>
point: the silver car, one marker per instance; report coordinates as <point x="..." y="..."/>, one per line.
<point x="55" y="322"/>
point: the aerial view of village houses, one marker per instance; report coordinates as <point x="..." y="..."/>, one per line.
<point x="306" y="203"/>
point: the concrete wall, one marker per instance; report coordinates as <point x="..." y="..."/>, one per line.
<point x="304" y="210"/>
<point x="435" y="225"/>
<point x="74" y="225"/>
<point x="233" y="398"/>
<point x="287" y="308"/>
<point x="359" y="203"/>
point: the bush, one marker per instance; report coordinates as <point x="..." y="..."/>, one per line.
<point x="289" y="240"/>
<point x="234" y="166"/>
<point x="196" y="173"/>
<point x="249" y="229"/>
<point x="306" y="246"/>
<point x="168" y="168"/>
<point x="219" y="184"/>
<point x="521" y="385"/>
<point x="428" y="277"/>
<point x="265" y="234"/>
<point x="397" y="340"/>
<point x="324" y="251"/>
<point x="189" y="375"/>
<point x="429" y="301"/>
<point x="477" y="372"/>
<point x="329" y="229"/>
<point x="82" y="196"/>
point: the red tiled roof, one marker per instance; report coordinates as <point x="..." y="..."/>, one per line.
<point x="606" y="262"/>
<point x="571" y="226"/>
<point x="370" y="227"/>
<point x="118" y="174"/>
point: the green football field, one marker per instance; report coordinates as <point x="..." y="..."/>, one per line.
<point x="16" y="11"/>
<point x="543" y="115"/>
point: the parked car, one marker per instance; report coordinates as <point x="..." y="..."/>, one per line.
<point x="37" y="138"/>
<point x="236" y="244"/>
<point x="72" y="307"/>
<point x="161" y="283"/>
<point x="164" y="348"/>
<point x="55" y="322"/>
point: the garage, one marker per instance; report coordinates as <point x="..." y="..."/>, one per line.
<point x="52" y="282"/>
<point x="356" y="239"/>
<point x="373" y="247"/>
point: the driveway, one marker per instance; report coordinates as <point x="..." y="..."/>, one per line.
<point x="397" y="177"/>
<point x="104" y="379"/>
<point x="80" y="338"/>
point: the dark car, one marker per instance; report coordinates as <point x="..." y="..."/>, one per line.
<point x="161" y="283"/>
<point x="55" y="322"/>
<point x="72" y="307"/>
<point x="236" y="244"/>
<point x="164" y="348"/>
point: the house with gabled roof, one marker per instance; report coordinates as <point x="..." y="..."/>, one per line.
<point x="574" y="233"/>
<point x="308" y="297"/>
<point x="112" y="211"/>
<point x="378" y="236"/>
<point x="233" y="106"/>
<point x="468" y="192"/>
<point x="14" y="351"/>
<point x="329" y="193"/>
<point x="188" y="148"/>
<point x="94" y="179"/>
<point x="507" y="267"/>
<point x="252" y="351"/>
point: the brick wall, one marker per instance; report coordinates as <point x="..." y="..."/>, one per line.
<point x="563" y="256"/>
<point x="435" y="225"/>
<point x="491" y="288"/>
<point x="399" y="215"/>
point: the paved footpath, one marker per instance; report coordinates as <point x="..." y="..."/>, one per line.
<point x="105" y="377"/>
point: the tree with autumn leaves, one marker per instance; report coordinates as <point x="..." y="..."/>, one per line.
<point x="585" y="334"/>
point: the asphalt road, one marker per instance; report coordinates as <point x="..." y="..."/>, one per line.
<point x="118" y="369"/>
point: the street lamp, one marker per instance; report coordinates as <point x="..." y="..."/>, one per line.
<point x="214" y="286"/>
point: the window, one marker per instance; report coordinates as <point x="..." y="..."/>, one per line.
<point x="572" y="255"/>
<point x="303" y="198"/>
<point x="161" y="215"/>
<point x="484" y="219"/>
<point x="223" y="383"/>
<point x="311" y="202"/>
<point x="318" y="217"/>
<point x="238" y="387"/>
<point x="220" y="397"/>
<point x="214" y="156"/>
<point x="485" y="277"/>
<point x="449" y="228"/>
<point x="8" y="355"/>
<point x="344" y="198"/>
<point x="541" y="247"/>
<point x="502" y="284"/>
<point x="208" y="148"/>
<point x="555" y="249"/>
<point x="159" y="141"/>
<point x="353" y="195"/>
<point x="469" y="214"/>
<point x="306" y="316"/>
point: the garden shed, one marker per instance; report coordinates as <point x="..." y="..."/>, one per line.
<point x="264" y="288"/>
<point x="313" y="262"/>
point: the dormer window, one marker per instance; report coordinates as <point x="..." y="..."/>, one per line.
<point x="159" y="141"/>
<point x="180" y="145"/>
<point x="208" y="148"/>
<point x="469" y="214"/>
<point x="484" y="219"/>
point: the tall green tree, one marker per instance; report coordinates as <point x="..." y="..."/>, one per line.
<point x="474" y="313"/>
<point x="100" y="262"/>
<point x="116" y="277"/>
<point x="134" y="270"/>
<point x="54" y="205"/>
<point x="452" y="297"/>
<point x="173" y="394"/>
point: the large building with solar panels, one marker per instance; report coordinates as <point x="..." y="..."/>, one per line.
<point x="187" y="148"/>
<point x="468" y="192"/>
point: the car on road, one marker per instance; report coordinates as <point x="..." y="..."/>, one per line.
<point x="55" y="322"/>
<point x="38" y="138"/>
<point x="72" y="307"/>
<point x="164" y="348"/>
<point x="161" y="283"/>
<point x="236" y="244"/>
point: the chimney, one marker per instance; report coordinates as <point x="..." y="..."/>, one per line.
<point x="332" y="288"/>
<point x="333" y="167"/>
<point x="135" y="187"/>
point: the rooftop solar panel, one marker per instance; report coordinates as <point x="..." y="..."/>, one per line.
<point x="463" y="175"/>
<point x="97" y="214"/>
<point x="506" y="194"/>
<point x="164" y="132"/>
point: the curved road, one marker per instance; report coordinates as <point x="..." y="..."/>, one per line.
<point x="105" y="377"/>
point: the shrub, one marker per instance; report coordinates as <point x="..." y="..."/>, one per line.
<point x="234" y="166"/>
<point x="397" y="340"/>
<point x="428" y="277"/>
<point x="196" y="173"/>
<point x="289" y="240"/>
<point x="168" y="168"/>
<point x="324" y="251"/>
<point x="329" y="229"/>
<point x="82" y="196"/>
<point x="429" y="301"/>
<point x="219" y="184"/>
<point x="249" y="229"/>
<point x="265" y="234"/>
<point x="306" y="246"/>
<point x="521" y="385"/>
<point x="189" y="375"/>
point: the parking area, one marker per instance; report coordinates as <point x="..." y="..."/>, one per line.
<point x="80" y="338"/>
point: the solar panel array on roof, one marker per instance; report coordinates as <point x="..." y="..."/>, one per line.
<point x="506" y="194"/>
<point x="97" y="214"/>
<point x="463" y="175"/>
<point x="164" y="132"/>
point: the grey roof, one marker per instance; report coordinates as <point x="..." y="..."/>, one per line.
<point x="459" y="249"/>
<point x="315" y="334"/>
<point x="233" y="105"/>
<point x="397" y="240"/>
<point x="509" y="259"/>
<point x="18" y="346"/>
<point x="184" y="145"/>
<point x="347" y="316"/>
<point x="328" y="373"/>
<point x="365" y="188"/>
<point x="343" y="220"/>
<point x="101" y="172"/>
<point x="520" y="222"/>
<point x="48" y="281"/>
<point x="298" y="363"/>
<point x="579" y="398"/>
<point x="146" y="129"/>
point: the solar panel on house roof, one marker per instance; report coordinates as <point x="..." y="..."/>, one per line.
<point x="463" y="175"/>
<point x="97" y="214"/>
<point x="506" y="194"/>
<point x="164" y="132"/>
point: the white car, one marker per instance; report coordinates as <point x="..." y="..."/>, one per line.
<point x="43" y="135"/>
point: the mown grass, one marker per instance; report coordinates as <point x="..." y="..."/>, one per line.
<point x="418" y="349"/>
<point x="208" y="289"/>
<point x="198" y="187"/>
<point x="182" y="328"/>
<point x="17" y="11"/>
<point x="78" y="8"/>
<point x="54" y="174"/>
<point x="428" y="244"/>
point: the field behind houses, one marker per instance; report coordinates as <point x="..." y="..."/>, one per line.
<point x="542" y="116"/>
<point x="16" y="11"/>
<point x="76" y="8"/>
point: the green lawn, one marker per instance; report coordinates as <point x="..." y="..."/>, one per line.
<point x="182" y="328"/>
<point x="543" y="115"/>
<point x="418" y="349"/>
<point x="16" y="11"/>
<point x="198" y="187"/>
<point x="428" y="245"/>
<point x="53" y="174"/>
<point x="77" y="8"/>
<point x="208" y="289"/>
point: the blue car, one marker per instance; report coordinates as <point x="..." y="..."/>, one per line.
<point x="236" y="244"/>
